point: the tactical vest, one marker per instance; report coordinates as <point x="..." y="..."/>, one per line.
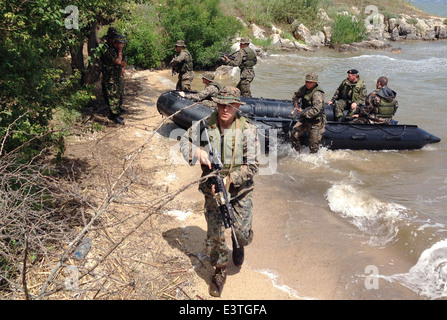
<point x="307" y="98"/>
<point x="307" y="102"/>
<point x="187" y="64"/>
<point x="233" y="139"/>
<point x="387" y="108"/>
<point x="251" y="60"/>
<point x="351" y="91"/>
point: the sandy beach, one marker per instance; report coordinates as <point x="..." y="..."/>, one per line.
<point x="167" y="251"/>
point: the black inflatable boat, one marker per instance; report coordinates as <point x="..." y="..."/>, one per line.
<point x="272" y="114"/>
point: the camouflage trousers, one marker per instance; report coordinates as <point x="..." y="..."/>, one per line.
<point x="184" y="81"/>
<point x="315" y="131"/>
<point x="365" y="120"/>
<point x="340" y="106"/>
<point x="247" y="76"/>
<point x="215" y="238"/>
<point x="113" y="91"/>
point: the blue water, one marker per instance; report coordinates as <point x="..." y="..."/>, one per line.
<point x="390" y="204"/>
<point x="435" y="7"/>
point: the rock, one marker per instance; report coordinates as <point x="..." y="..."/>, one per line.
<point x="372" y="44"/>
<point x="406" y="29"/>
<point x="322" y="16"/>
<point x="441" y="32"/>
<point x="281" y="43"/>
<point x="396" y="50"/>
<point x="327" y="34"/>
<point x="257" y="32"/>
<point x="303" y="34"/>
<point x="430" y="35"/>
<point x="276" y="30"/>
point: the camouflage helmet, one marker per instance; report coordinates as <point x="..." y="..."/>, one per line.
<point x="228" y="95"/>
<point x="120" y="38"/>
<point x="208" y="76"/>
<point x="245" y="40"/>
<point x="311" y="77"/>
<point x="180" y="43"/>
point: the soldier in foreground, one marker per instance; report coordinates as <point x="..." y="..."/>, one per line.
<point x="114" y="62"/>
<point x="235" y="141"/>
<point x="182" y="64"/>
<point x="380" y="105"/>
<point x="350" y="95"/>
<point x="245" y="59"/>
<point x="308" y="101"/>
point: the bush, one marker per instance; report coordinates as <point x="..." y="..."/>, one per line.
<point x="201" y="24"/>
<point x="145" y="44"/>
<point x="347" y="29"/>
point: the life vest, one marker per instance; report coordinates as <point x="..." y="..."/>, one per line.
<point x="251" y="59"/>
<point x="233" y="139"/>
<point x="307" y="97"/>
<point x="351" y="91"/>
<point x="187" y="64"/>
<point x="387" y="105"/>
<point x="306" y="102"/>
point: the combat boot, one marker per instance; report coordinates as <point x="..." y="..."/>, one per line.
<point x="116" y="118"/>
<point x="238" y="254"/>
<point x="218" y="281"/>
<point x="296" y="145"/>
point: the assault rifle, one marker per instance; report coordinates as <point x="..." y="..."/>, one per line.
<point x="228" y="55"/>
<point x="221" y="195"/>
<point x="298" y="105"/>
<point x="221" y="59"/>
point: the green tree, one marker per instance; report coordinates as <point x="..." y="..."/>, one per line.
<point x="205" y="29"/>
<point x="35" y="86"/>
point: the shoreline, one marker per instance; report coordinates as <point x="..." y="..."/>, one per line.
<point x="170" y="247"/>
<point x="165" y="256"/>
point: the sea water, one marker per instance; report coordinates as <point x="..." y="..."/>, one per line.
<point x="326" y="220"/>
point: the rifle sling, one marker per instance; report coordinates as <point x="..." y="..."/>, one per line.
<point x="234" y="152"/>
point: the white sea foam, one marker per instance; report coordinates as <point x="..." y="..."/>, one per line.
<point x="370" y="215"/>
<point x="274" y="278"/>
<point x="428" y="277"/>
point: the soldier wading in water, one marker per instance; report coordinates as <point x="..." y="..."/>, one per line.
<point x="235" y="141"/>
<point x="309" y="102"/>
<point x="245" y="59"/>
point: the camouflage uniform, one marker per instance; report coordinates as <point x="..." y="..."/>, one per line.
<point x="112" y="77"/>
<point x="312" y="118"/>
<point x="347" y="93"/>
<point x="380" y="107"/>
<point x="210" y="91"/>
<point x="182" y="64"/>
<point x="245" y="59"/>
<point x="240" y="163"/>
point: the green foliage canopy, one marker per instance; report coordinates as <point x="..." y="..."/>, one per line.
<point x="205" y="29"/>
<point x="34" y="84"/>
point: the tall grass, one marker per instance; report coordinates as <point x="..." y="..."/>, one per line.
<point x="347" y="29"/>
